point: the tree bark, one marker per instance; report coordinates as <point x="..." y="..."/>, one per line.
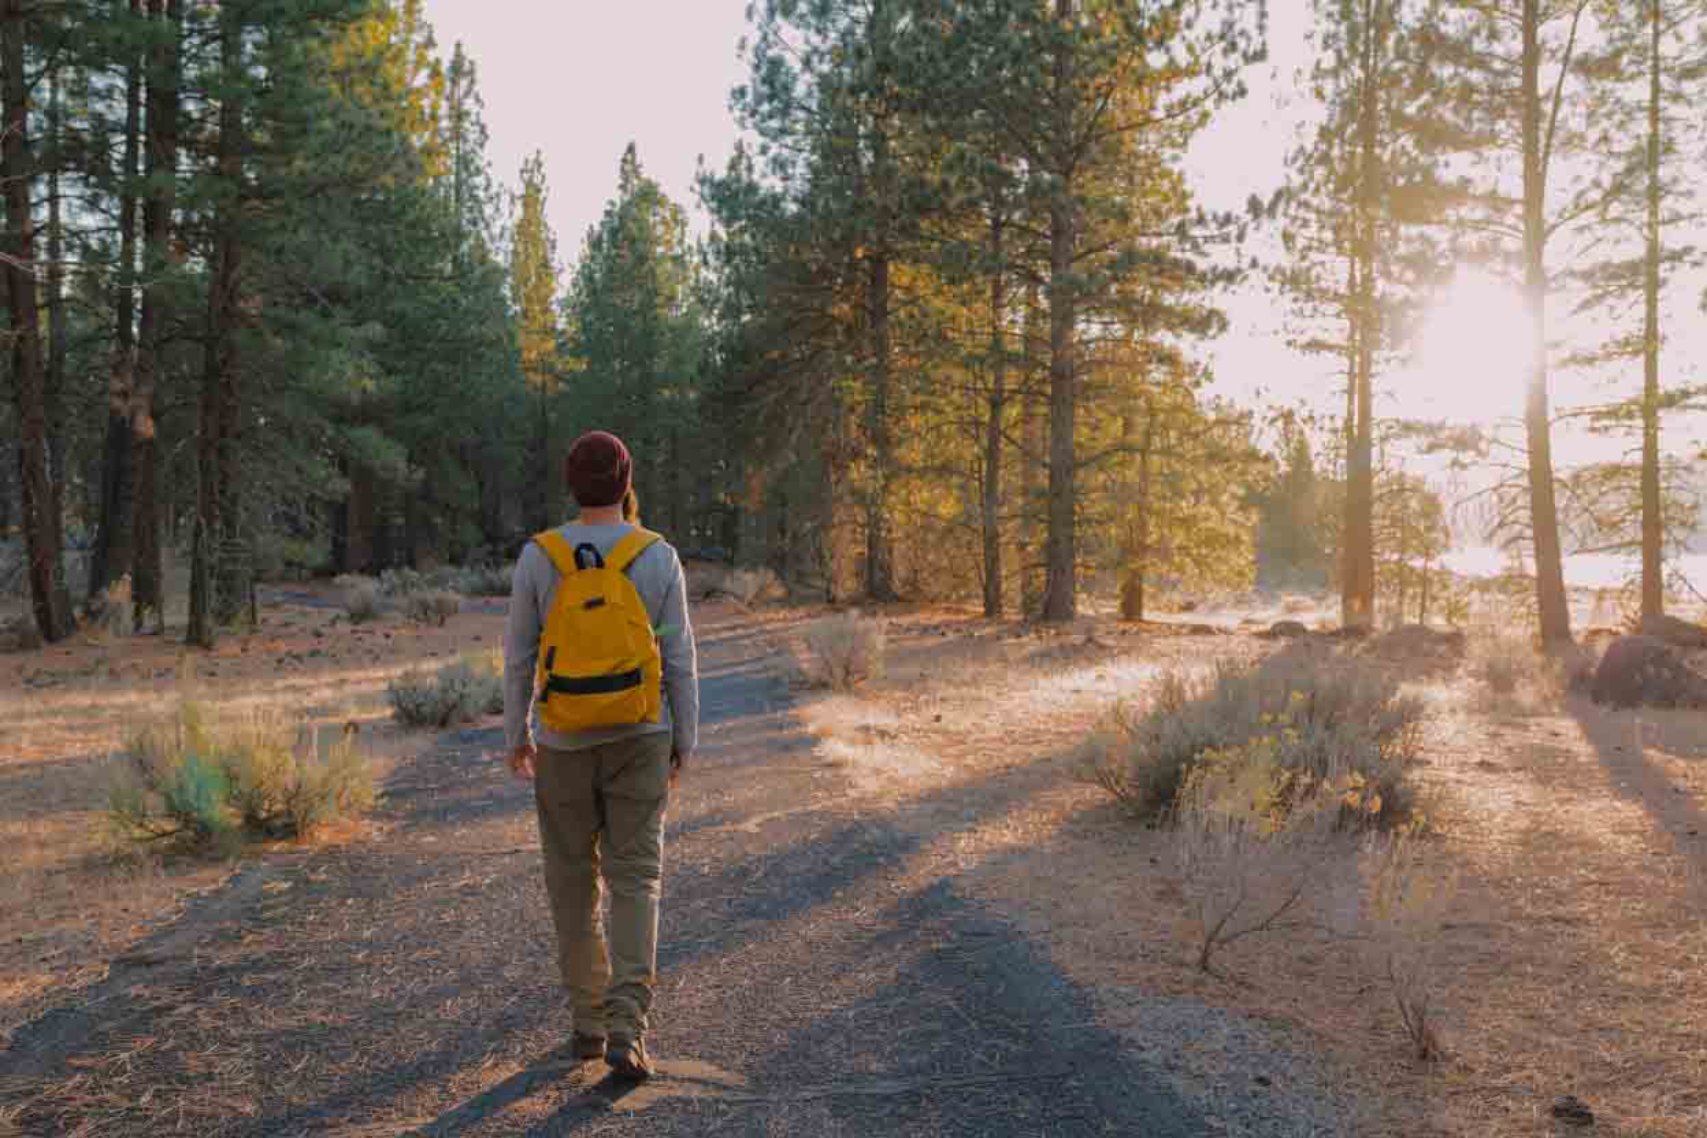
<point x="995" y="413"/>
<point x="1137" y="553"/>
<point x="58" y="432"/>
<point x="1033" y="436"/>
<point x="1653" y="523"/>
<point x="147" y="576"/>
<point x="217" y="525"/>
<point x="879" y="552"/>
<point x="1357" y="584"/>
<point x="1060" y="589"/>
<point x="41" y="520"/>
<point x="112" y="555"/>
<point x="1552" y="603"/>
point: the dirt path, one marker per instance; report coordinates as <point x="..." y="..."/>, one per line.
<point x="822" y="974"/>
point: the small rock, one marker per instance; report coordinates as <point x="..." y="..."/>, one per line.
<point x="1572" y="1111"/>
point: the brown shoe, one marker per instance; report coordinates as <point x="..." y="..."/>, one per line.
<point x="588" y="1048"/>
<point x="628" y="1059"/>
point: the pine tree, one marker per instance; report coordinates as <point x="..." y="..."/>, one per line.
<point x="164" y="79"/>
<point x="1093" y="99"/>
<point x="634" y="322"/>
<point x="533" y="291"/>
<point x="1505" y="78"/>
<point x="1358" y="188"/>
<point x="115" y="528"/>
<point x="1649" y="61"/>
<point x="40" y="496"/>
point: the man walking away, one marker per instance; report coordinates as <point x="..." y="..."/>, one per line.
<point x="601" y="711"/>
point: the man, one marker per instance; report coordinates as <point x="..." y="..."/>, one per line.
<point x="601" y="792"/>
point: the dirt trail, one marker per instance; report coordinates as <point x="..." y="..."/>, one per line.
<point x="821" y="974"/>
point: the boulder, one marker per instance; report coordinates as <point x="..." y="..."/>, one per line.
<point x="1645" y="671"/>
<point x="1287" y="630"/>
<point x="1678" y="633"/>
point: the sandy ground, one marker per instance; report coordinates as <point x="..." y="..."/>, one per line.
<point x="886" y="905"/>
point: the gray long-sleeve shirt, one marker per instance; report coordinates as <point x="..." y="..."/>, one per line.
<point x="657" y="576"/>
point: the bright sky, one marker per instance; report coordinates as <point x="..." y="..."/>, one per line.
<point x="580" y="79"/>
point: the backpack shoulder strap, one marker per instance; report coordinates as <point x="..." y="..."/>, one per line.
<point x="557" y="548"/>
<point x="629" y="548"/>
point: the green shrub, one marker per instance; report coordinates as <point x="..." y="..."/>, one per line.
<point x="459" y="692"/>
<point x="1311" y="721"/>
<point x="432" y="606"/>
<point x="202" y="781"/>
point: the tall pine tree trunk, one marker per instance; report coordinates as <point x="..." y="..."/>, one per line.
<point x="1552" y="604"/>
<point x="1357" y="585"/>
<point x="1653" y="524"/>
<point x="993" y="423"/>
<point x="879" y="554"/>
<point x="1060" y="589"/>
<point x="1033" y="445"/>
<point x="1136" y="556"/>
<point x="42" y="524"/>
<point x="112" y="555"/>
<point x="147" y="573"/>
<point x="58" y="418"/>
<point x="216" y="529"/>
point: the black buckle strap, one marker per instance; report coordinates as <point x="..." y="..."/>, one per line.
<point x="593" y="685"/>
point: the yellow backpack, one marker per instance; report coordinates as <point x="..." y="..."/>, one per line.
<point x="598" y="657"/>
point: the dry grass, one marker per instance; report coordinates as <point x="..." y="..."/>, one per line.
<point x="1548" y="937"/>
<point x="77" y="900"/>
<point x="843" y="651"/>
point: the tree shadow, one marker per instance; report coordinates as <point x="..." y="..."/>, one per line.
<point x="1618" y="741"/>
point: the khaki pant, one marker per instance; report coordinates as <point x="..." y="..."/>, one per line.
<point x="601" y="813"/>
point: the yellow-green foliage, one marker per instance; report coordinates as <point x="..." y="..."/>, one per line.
<point x="201" y="778"/>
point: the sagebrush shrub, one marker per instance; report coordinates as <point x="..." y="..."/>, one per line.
<point x="1316" y="722"/>
<point x="431" y="606"/>
<point x="1246" y="869"/>
<point x="361" y="597"/>
<point x="111" y="608"/>
<point x="483" y="581"/>
<point x="1408" y="901"/>
<point x="461" y="691"/>
<point x="749" y="586"/>
<point x="844" y="651"/>
<point x="200" y="780"/>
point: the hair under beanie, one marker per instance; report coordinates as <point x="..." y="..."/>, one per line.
<point x="598" y="469"/>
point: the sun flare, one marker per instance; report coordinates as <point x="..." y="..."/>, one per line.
<point x="1473" y="348"/>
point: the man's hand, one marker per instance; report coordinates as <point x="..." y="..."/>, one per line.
<point x="521" y="761"/>
<point x="677" y="762"/>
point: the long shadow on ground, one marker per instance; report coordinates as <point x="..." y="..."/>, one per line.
<point x="371" y="985"/>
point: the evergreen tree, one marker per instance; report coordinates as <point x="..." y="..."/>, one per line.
<point x="1358" y="188"/>
<point x="533" y="292"/>
<point x="1505" y="80"/>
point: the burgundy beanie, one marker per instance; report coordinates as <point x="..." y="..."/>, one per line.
<point x="598" y="469"/>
